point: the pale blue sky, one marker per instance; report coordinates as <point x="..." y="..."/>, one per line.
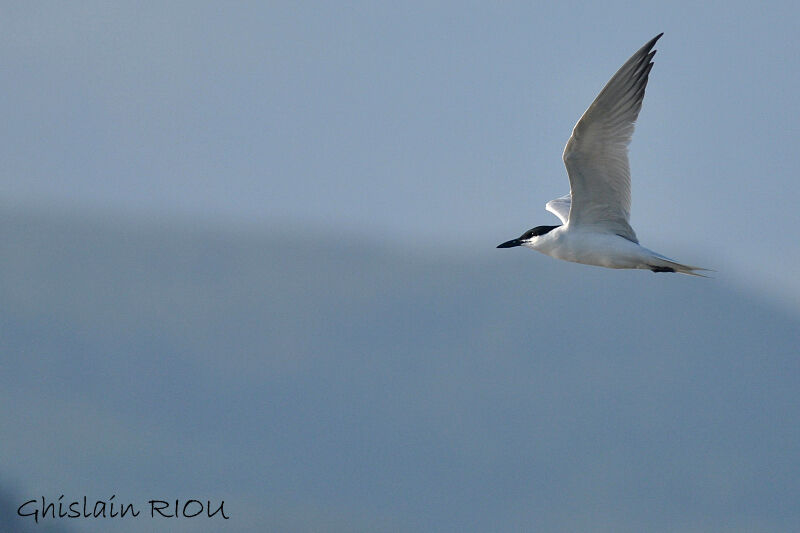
<point x="428" y="122"/>
<point x="345" y="385"/>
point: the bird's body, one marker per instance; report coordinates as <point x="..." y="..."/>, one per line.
<point x="596" y="213"/>
<point x="600" y="248"/>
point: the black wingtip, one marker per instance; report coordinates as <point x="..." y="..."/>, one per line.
<point x="657" y="37"/>
<point x="653" y="41"/>
<point x="647" y="49"/>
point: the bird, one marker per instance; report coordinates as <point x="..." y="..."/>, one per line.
<point x="595" y="215"/>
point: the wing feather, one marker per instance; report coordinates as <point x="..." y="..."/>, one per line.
<point x="596" y="155"/>
<point x="560" y="207"/>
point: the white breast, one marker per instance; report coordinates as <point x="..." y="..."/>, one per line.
<point x="591" y="248"/>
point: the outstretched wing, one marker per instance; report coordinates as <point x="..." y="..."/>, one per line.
<point x="560" y="207"/>
<point x="596" y="155"/>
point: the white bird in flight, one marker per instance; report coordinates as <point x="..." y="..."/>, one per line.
<point x="596" y="212"/>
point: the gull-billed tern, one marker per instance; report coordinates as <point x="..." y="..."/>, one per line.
<point x="596" y="212"/>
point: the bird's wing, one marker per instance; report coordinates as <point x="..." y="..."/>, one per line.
<point x="596" y="155"/>
<point x="560" y="207"/>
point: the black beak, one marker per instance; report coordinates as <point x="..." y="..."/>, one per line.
<point x="510" y="244"/>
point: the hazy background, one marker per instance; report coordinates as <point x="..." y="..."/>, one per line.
<point x="247" y="254"/>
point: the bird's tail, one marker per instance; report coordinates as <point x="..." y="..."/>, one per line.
<point x="659" y="263"/>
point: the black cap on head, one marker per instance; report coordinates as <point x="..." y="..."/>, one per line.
<point x="528" y="235"/>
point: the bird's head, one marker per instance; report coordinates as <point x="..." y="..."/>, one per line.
<point x="529" y="238"/>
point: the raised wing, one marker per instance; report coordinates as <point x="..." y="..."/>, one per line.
<point x="596" y="155"/>
<point x="560" y="207"/>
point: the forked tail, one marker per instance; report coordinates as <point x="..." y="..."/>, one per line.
<point x="659" y="263"/>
